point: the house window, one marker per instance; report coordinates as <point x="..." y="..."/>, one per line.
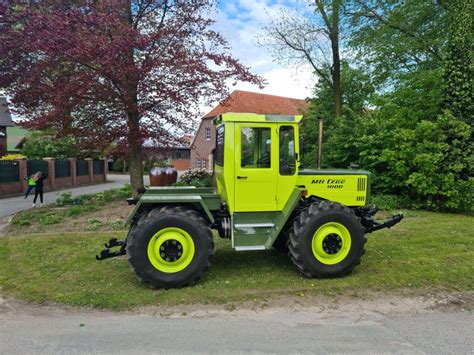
<point x="180" y="154"/>
<point x="208" y="133"/>
<point x="204" y="163"/>
<point x="198" y="163"/>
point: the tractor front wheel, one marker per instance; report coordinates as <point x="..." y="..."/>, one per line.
<point x="326" y="240"/>
<point x="170" y="247"/>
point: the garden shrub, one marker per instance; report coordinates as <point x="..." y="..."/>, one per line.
<point x="195" y="177"/>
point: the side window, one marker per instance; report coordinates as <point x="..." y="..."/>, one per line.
<point x="256" y="145"/>
<point x="219" y="152"/>
<point x="287" y="150"/>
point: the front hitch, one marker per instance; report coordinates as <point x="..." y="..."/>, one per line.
<point x="372" y="225"/>
<point x="387" y="224"/>
<point x="106" y="253"/>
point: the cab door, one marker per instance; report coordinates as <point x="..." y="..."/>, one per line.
<point x="255" y="167"/>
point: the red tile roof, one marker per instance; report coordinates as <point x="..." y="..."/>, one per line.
<point x="252" y="102"/>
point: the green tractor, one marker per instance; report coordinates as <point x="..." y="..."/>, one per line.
<point x="261" y="199"/>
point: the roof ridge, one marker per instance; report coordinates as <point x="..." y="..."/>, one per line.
<point x="260" y="93"/>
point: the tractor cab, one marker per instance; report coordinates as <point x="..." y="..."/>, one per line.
<point x="256" y="160"/>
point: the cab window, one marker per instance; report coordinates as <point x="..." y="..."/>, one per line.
<point x="287" y="150"/>
<point x="219" y="152"/>
<point x="256" y="147"/>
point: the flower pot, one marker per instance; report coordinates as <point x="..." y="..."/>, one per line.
<point x="157" y="176"/>
<point x="171" y="176"/>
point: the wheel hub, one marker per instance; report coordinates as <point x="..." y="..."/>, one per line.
<point x="332" y="243"/>
<point x="171" y="249"/>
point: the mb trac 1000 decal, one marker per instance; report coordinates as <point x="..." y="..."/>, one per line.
<point x="331" y="183"/>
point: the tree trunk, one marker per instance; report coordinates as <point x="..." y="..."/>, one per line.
<point x="336" y="80"/>
<point x="135" y="154"/>
<point x="336" y="68"/>
<point x="134" y="136"/>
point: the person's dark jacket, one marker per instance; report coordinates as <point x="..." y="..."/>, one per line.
<point x="39" y="182"/>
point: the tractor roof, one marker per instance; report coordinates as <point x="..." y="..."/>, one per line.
<point x="252" y="117"/>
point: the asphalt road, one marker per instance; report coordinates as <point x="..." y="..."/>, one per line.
<point x="13" y="205"/>
<point x="281" y="332"/>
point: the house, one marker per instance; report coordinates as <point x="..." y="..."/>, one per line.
<point x="238" y="102"/>
<point x="16" y="138"/>
<point x="5" y="122"/>
<point x="177" y="155"/>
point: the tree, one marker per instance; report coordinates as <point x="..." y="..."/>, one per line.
<point x="396" y="38"/>
<point x="39" y="145"/>
<point x="313" y="38"/>
<point x="415" y="132"/>
<point x="116" y="71"/>
<point x="357" y="90"/>
<point x="458" y="88"/>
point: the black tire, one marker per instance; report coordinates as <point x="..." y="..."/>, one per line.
<point x="281" y="243"/>
<point x="158" y="219"/>
<point x="303" y="231"/>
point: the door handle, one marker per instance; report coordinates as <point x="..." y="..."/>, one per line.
<point x="241" y="177"/>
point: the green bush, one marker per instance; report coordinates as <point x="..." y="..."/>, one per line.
<point x="42" y="144"/>
<point x="119" y="166"/>
<point x="391" y="202"/>
<point x="74" y="211"/>
<point x="195" y="177"/>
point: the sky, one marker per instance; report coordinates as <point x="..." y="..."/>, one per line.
<point x="240" y="21"/>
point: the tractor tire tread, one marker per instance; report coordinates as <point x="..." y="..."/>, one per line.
<point x="147" y="218"/>
<point x="295" y="237"/>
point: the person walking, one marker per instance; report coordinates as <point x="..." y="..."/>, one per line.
<point x="31" y="185"/>
<point x="39" y="179"/>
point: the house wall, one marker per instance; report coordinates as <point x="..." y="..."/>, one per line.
<point x="202" y="147"/>
<point x="173" y="156"/>
<point x="3" y="141"/>
<point x="181" y="164"/>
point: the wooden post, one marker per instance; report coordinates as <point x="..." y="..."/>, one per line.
<point x="320" y="143"/>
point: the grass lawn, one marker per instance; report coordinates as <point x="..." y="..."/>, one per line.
<point x="425" y="252"/>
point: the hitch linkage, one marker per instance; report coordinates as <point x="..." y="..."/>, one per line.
<point x="371" y="225"/>
<point x="106" y="253"/>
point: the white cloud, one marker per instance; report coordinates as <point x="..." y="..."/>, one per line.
<point x="240" y="21"/>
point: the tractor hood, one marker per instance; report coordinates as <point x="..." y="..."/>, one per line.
<point x="347" y="187"/>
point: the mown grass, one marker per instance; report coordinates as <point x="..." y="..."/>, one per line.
<point x="426" y="251"/>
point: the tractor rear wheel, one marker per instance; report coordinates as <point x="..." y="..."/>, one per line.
<point x="327" y="240"/>
<point x="170" y="247"/>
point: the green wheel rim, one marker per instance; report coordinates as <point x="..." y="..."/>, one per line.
<point x="331" y="243"/>
<point x="171" y="250"/>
